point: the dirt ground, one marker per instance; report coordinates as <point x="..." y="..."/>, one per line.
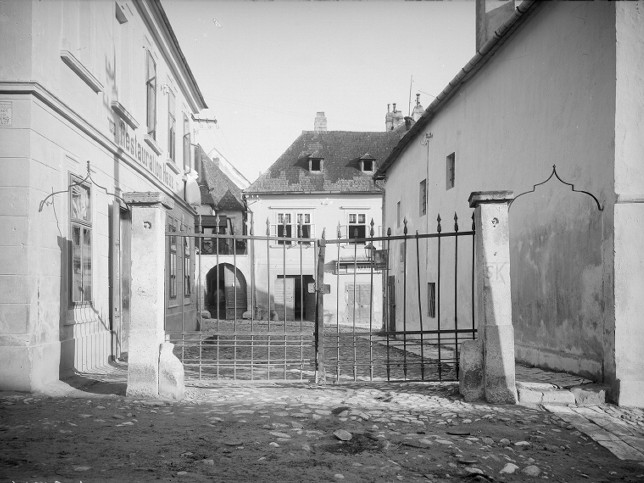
<point x="291" y="433"/>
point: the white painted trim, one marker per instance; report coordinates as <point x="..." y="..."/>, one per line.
<point x="81" y="71"/>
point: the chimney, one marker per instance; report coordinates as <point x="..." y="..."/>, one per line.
<point x="418" y="109"/>
<point x="490" y="15"/>
<point x="389" y="120"/>
<point x="319" y="125"/>
<point x="398" y="118"/>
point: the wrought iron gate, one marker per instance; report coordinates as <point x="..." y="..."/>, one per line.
<point x="414" y="330"/>
<point x="248" y="325"/>
<point x="396" y="307"/>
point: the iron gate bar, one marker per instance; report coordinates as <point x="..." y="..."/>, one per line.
<point x="388" y="301"/>
<point x="420" y="306"/>
<point x="456" y="283"/>
<point x="405" y="297"/>
<point x="438" y="297"/>
<point x="372" y="251"/>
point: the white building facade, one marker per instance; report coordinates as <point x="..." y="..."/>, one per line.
<point x="96" y="100"/>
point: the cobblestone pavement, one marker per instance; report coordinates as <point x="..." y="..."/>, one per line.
<point x="301" y="432"/>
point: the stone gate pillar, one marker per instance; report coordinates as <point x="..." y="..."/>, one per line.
<point x="487" y="364"/>
<point x="147" y="347"/>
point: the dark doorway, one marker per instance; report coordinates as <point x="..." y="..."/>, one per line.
<point x="226" y="292"/>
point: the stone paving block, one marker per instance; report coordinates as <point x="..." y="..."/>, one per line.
<point x="622" y="450"/>
<point x="589" y="394"/>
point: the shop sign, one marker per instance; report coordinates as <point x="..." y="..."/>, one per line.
<point x="126" y="139"/>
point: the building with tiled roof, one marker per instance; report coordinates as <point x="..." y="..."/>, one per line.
<point x="322" y="183"/>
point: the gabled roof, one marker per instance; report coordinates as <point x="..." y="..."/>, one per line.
<point x="340" y="152"/>
<point x="217" y="189"/>
<point x="486" y="53"/>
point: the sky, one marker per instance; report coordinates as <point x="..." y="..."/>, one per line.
<point x="266" y="68"/>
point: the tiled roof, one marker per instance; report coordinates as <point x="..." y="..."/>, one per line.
<point x="340" y="151"/>
<point x="217" y="189"/>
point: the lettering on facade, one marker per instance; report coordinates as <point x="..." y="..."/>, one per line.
<point x="6" y="114"/>
<point x="128" y="141"/>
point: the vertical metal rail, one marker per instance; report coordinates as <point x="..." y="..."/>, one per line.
<point x="420" y="311"/>
<point x="268" y="277"/>
<point x="337" y="311"/>
<point x="438" y="299"/>
<point x="456" y="292"/>
<point x="473" y="273"/>
<point x="299" y="231"/>
<point x="217" y="308"/>
<point x="405" y="298"/>
<point x="284" y="289"/>
<point x="250" y="247"/>
<point x="353" y="329"/>
<point x="234" y="242"/>
<point x="388" y="328"/>
<point x="371" y="260"/>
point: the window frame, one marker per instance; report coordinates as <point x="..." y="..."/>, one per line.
<point x="151" y="95"/>
<point x="187" y="164"/>
<point x="355" y="224"/>
<point x="187" y="279"/>
<point x="422" y="197"/>
<point x="172" y="126"/>
<point x="85" y="229"/>
<point x="292" y="229"/>
<point x="172" y="262"/>
<point x="450" y="171"/>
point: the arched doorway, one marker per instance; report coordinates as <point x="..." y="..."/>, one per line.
<point x="226" y="292"/>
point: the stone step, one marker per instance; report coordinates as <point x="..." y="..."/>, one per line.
<point x="544" y="393"/>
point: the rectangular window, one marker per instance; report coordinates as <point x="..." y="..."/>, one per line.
<point x="450" y="170"/>
<point x="172" y="126"/>
<point x="398" y="213"/>
<point x="81" y="247"/>
<point x="357" y="226"/>
<point x="186" y="144"/>
<point x="304" y="227"/>
<point x="422" y="197"/>
<point x="284" y="228"/>
<point x="431" y="299"/>
<point x="187" y="280"/>
<point x="367" y="165"/>
<point x="151" y="95"/>
<point x="316" y="164"/>
<point x="172" y="264"/>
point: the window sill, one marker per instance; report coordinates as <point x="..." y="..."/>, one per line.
<point x="124" y="114"/>
<point x="153" y="144"/>
<point x="81" y="71"/>
<point x="173" y="166"/>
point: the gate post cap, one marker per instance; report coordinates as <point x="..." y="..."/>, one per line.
<point x="148" y="198"/>
<point x="479" y="197"/>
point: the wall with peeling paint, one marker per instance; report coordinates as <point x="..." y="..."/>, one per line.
<point x="547" y="96"/>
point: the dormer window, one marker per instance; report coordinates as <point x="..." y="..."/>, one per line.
<point x="315" y="163"/>
<point x="367" y="163"/>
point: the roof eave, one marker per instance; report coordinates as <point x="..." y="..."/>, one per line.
<point x="484" y="54"/>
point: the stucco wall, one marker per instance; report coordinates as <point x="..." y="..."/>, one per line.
<point x="629" y="209"/>
<point x="546" y="97"/>
<point x="57" y="124"/>
<point x="328" y="211"/>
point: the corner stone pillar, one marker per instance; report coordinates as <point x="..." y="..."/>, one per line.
<point x="488" y="364"/>
<point x="146" y="334"/>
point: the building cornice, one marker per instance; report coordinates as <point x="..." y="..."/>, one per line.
<point x="39" y="92"/>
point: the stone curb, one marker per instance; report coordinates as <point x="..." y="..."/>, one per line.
<point x="531" y="393"/>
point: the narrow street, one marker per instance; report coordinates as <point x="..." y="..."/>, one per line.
<point x="86" y="430"/>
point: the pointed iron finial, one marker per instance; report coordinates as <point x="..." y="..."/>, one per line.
<point x="455" y="222"/>
<point x="405" y="226"/>
<point x="389" y="231"/>
<point x="339" y="230"/>
<point x="268" y="227"/>
<point x="473" y="225"/>
<point x="371" y="230"/>
<point x="438" y="228"/>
